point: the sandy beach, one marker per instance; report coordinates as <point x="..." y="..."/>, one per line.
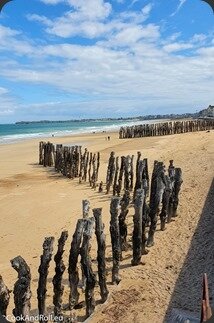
<point x="36" y="202"/>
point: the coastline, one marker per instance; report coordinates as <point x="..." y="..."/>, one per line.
<point x="111" y="128"/>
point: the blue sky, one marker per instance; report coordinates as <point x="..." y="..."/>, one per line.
<point x="64" y="59"/>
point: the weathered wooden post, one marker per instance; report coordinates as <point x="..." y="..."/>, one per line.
<point x="99" y="231"/>
<point x="122" y="220"/>
<point x="94" y="175"/>
<point x="176" y="189"/>
<point x="120" y="179"/>
<point x="127" y="173"/>
<point x="81" y="168"/>
<point x="115" y="238"/>
<point x="132" y="173"/>
<point x="87" y="267"/>
<point x="85" y="208"/>
<point x="89" y="169"/>
<point x="165" y="202"/>
<point x="116" y="176"/>
<point x="72" y="267"/>
<point x="100" y="187"/>
<point x="139" y="177"/>
<point x="110" y="172"/>
<point x="59" y="270"/>
<point x="157" y="188"/>
<point x="41" y="152"/>
<point x="43" y="274"/>
<point x="86" y="165"/>
<point x="85" y="211"/>
<point x="22" y="292"/>
<point x="137" y="232"/>
<point x="98" y="166"/>
<point x="4" y="297"/>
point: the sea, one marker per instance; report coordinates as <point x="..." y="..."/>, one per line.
<point x="11" y="133"/>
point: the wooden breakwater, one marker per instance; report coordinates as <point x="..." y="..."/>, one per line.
<point x="165" y="128"/>
<point x="150" y="199"/>
<point x="71" y="161"/>
<point x="126" y="177"/>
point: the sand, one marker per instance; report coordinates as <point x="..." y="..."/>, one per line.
<point x="36" y="202"/>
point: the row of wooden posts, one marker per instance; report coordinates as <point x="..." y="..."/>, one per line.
<point x="165" y="128"/>
<point x="121" y="173"/>
<point x="71" y="161"/>
<point x="160" y="195"/>
<point x="164" y="197"/>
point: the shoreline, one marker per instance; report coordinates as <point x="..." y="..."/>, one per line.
<point x="10" y="139"/>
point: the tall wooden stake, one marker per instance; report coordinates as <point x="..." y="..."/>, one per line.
<point x="115" y="238"/>
<point x="72" y="268"/>
<point x="87" y="267"/>
<point x="59" y="270"/>
<point x="43" y="274"/>
<point x="22" y="292"/>
<point x="99" y="231"/>
<point x="137" y="232"/>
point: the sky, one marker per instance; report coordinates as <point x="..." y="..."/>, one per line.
<point x="65" y="59"/>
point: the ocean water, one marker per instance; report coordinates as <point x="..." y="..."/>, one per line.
<point x="10" y="133"/>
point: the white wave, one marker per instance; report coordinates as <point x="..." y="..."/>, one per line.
<point x="5" y="139"/>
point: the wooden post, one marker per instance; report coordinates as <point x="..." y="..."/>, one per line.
<point x="43" y="274"/>
<point x="120" y="179"/>
<point x="99" y="231"/>
<point x="165" y="202"/>
<point x="94" y="174"/>
<point x="87" y="267"/>
<point x="110" y="172"/>
<point x="137" y="232"/>
<point x="115" y="238"/>
<point x="85" y="208"/>
<point x="101" y="187"/>
<point x="176" y="189"/>
<point x="81" y="168"/>
<point x="122" y="220"/>
<point x="72" y="268"/>
<point x="98" y="166"/>
<point x="127" y="173"/>
<point x="157" y="188"/>
<point x="22" y="292"/>
<point x="89" y="169"/>
<point x="139" y="177"/>
<point x="85" y="211"/>
<point x="41" y="152"/>
<point x="86" y="166"/>
<point x="4" y="297"/>
<point x="132" y="173"/>
<point x="116" y="176"/>
<point x="59" y="270"/>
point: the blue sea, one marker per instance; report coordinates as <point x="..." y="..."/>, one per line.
<point x="10" y="133"/>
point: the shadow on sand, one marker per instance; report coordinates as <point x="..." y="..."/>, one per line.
<point x="187" y="292"/>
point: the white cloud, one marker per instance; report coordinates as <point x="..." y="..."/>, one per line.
<point x="91" y="9"/>
<point x="52" y="2"/>
<point x="87" y="18"/>
<point x="175" y="47"/>
<point x="7" y="32"/>
<point x="7" y="103"/>
<point x="44" y="20"/>
<point x="180" y="5"/>
<point x="147" y="9"/>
